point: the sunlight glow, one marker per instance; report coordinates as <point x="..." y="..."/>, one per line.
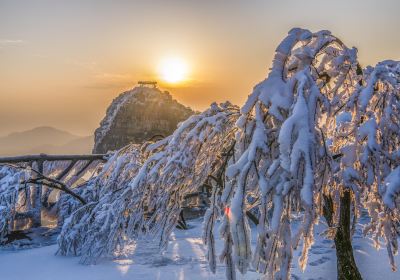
<point x="173" y="70"/>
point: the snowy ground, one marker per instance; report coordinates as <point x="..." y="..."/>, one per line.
<point x="184" y="259"/>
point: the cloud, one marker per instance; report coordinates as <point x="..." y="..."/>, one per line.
<point x="112" y="76"/>
<point x="111" y="81"/>
<point x="11" y="43"/>
<point x="82" y="64"/>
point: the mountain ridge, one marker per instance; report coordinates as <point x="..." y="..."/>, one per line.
<point x="44" y="139"/>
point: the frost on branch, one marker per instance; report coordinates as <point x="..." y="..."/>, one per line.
<point x="142" y="189"/>
<point x="378" y="138"/>
<point x="9" y="188"/>
<point x="22" y="198"/>
<point x="281" y="154"/>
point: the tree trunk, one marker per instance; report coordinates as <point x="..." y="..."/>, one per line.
<point x="346" y="265"/>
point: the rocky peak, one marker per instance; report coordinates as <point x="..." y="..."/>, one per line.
<point x="137" y="115"/>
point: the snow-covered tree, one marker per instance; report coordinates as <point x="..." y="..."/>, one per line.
<point x="378" y="149"/>
<point x="142" y="189"/>
<point x="94" y="223"/>
<point x="25" y="190"/>
<point x="316" y="137"/>
<point x="9" y="189"/>
<point x="283" y="153"/>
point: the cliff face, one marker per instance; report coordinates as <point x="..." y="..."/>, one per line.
<point x="137" y="115"/>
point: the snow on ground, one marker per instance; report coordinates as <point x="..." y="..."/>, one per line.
<point x="184" y="259"/>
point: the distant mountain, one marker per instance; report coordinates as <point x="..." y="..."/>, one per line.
<point x="44" y="139"/>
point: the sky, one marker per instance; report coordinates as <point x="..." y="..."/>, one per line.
<point x="62" y="62"/>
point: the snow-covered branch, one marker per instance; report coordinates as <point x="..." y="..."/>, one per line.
<point x="141" y="189"/>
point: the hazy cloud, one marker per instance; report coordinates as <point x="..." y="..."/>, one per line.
<point x="11" y="43"/>
<point x="111" y="81"/>
<point x="82" y="64"/>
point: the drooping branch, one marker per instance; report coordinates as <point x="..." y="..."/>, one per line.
<point x="53" y="183"/>
<point x="41" y="179"/>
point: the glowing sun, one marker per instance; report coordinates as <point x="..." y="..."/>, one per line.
<point x="173" y="70"/>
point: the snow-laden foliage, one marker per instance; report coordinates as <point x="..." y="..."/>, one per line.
<point x="74" y="179"/>
<point x="9" y="189"/>
<point x="91" y="222"/>
<point x="315" y="128"/>
<point x="282" y="157"/>
<point x="142" y="190"/>
<point x="378" y="150"/>
<point x="21" y="201"/>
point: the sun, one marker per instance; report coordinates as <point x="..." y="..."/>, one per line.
<point x="173" y="70"/>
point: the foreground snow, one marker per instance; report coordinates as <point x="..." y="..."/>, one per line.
<point x="184" y="259"/>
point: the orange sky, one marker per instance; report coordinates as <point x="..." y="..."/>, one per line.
<point x="62" y="62"/>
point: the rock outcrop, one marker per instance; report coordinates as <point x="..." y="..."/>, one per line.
<point x="136" y="116"/>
